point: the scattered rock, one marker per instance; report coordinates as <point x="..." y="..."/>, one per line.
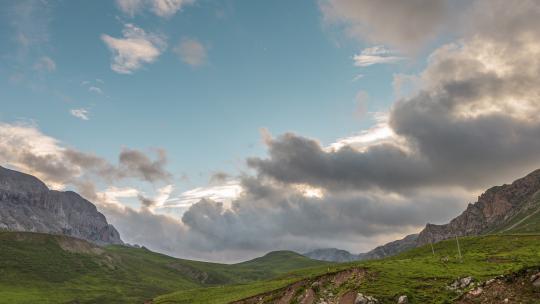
<point x="403" y="300"/>
<point x="476" y="292"/>
<point x="462" y="283"/>
<point x="363" y="299"/>
<point x="465" y="282"/>
<point x="535" y="280"/>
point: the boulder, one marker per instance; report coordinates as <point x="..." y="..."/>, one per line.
<point x="403" y="300"/>
<point x="363" y="299"/>
<point x="466" y="282"/>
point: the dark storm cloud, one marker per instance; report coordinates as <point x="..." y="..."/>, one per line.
<point x="295" y="159"/>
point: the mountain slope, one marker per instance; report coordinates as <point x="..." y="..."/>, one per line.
<point x="26" y="204"/>
<point x="513" y="208"/>
<point x="392" y="248"/>
<point x="500" y="209"/>
<point x="43" y="268"/>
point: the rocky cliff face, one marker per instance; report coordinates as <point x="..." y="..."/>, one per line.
<point x="26" y="204"/>
<point x="494" y="208"/>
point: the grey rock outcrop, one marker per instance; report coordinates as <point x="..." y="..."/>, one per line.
<point x="26" y="204"/>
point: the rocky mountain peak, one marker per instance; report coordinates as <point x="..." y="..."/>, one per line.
<point x="15" y="181"/>
<point x="26" y="204"/>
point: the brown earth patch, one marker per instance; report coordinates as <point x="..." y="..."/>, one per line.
<point x="309" y="291"/>
<point x="348" y="298"/>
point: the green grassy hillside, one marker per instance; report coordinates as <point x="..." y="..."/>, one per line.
<point x="41" y="268"/>
<point x="417" y="273"/>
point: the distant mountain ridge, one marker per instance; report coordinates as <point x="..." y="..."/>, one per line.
<point x="507" y="208"/>
<point x="342" y="256"/>
<point x="26" y="204"/>
<point x="332" y="255"/>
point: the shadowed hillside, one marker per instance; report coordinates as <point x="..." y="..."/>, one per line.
<point x="33" y="264"/>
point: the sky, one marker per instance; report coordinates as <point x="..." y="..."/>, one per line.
<point x="221" y="130"/>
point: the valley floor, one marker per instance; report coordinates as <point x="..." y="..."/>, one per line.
<point x="418" y="274"/>
<point x="40" y="268"/>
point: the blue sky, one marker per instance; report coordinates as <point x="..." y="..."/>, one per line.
<point x="172" y="116"/>
<point x="269" y="64"/>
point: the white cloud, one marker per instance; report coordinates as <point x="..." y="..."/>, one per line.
<point x="158" y="200"/>
<point x="28" y="137"/>
<point x="130" y="7"/>
<point x="45" y="64"/>
<point x="226" y="192"/>
<point x="80" y="113"/>
<point x="161" y="8"/>
<point x="191" y="52"/>
<point x="167" y="8"/>
<point x="135" y="48"/>
<point x="112" y="194"/>
<point x="95" y="90"/>
<point x="380" y="133"/>
<point x="375" y="55"/>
